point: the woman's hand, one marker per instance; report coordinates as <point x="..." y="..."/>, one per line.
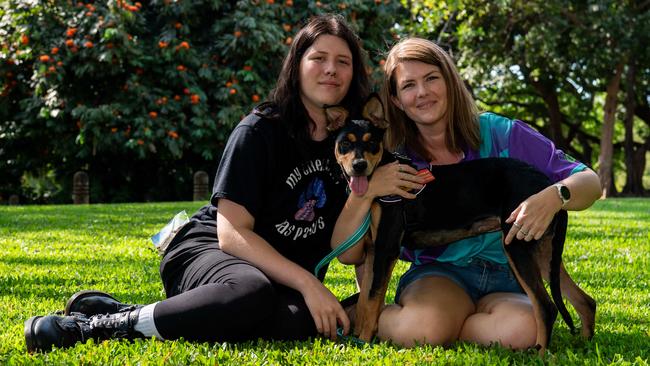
<point x="325" y="309"/>
<point x="533" y="216"/>
<point x="394" y="179"/>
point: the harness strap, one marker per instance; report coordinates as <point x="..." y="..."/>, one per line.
<point x="347" y="244"/>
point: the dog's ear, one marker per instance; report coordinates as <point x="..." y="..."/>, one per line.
<point x="374" y="112"/>
<point x="336" y="116"/>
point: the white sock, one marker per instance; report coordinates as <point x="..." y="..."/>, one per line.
<point x="145" y="324"/>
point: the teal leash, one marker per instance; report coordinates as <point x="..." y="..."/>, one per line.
<point x="347" y="244"/>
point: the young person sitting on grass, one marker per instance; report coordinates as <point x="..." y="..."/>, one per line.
<point x="464" y="291"/>
<point x="241" y="269"/>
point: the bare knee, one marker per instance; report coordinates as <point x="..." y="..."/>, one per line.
<point x="518" y="330"/>
<point x="411" y="327"/>
<point x="505" y="319"/>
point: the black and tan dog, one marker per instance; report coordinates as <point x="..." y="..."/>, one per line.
<point x="453" y="206"/>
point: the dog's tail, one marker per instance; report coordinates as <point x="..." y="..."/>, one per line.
<point x="561" y="221"/>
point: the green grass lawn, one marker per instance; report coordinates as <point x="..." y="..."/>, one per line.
<point x="49" y="252"/>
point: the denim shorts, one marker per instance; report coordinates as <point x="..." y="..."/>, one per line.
<point x="479" y="278"/>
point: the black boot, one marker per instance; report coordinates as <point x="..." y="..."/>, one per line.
<point x="91" y="302"/>
<point x="43" y="333"/>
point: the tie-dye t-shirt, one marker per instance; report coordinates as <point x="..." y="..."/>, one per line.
<point x="500" y="137"/>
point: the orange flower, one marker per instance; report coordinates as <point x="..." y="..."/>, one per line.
<point x="186" y="91"/>
<point x="59" y="64"/>
<point x="138" y="4"/>
<point x="183" y="45"/>
<point x="178" y="25"/>
<point x="382" y="62"/>
<point x="270" y="2"/>
<point x="233" y="91"/>
<point x="88" y="44"/>
<point x="153" y="115"/>
<point x="228" y="84"/>
<point x="177" y="97"/>
<point x="69" y="42"/>
<point x="288" y="40"/>
<point x="288" y="3"/>
<point x="181" y="68"/>
<point x="287" y="27"/>
<point x="24" y="39"/>
<point x="172" y="134"/>
<point x="195" y="99"/>
<point x="44" y="58"/>
<point x="255" y="98"/>
<point x="248" y="68"/>
<point x="140" y="142"/>
<point x="114" y="129"/>
<point x="51" y="69"/>
<point x="237" y="34"/>
<point x="162" y="44"/>
<point x="71" y="32"/>
<point x="55" y="50"/>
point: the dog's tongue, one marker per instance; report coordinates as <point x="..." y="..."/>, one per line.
<point x="359" y="185"/>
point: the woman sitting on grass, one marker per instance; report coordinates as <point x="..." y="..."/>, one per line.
<point x="466" y="290"/>
<point x="241" y="269"/>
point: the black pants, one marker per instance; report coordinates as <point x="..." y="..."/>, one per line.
<point x="213" y="296"/>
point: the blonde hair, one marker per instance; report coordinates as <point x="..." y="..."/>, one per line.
<point x="462" y="112"/>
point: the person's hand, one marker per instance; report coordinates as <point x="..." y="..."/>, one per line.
<point x="394" y="179"/>
<point x="532" y="217"/>
<point x="325" y="309"/>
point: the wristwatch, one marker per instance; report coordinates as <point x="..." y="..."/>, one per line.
<point x="563" y="192"/>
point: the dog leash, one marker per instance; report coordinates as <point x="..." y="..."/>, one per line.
<point x="347" y="244"/>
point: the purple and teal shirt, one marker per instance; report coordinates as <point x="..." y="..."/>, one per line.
<point x="500" y="137"/>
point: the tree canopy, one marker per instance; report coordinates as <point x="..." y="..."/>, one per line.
<point x="142" y="94"/>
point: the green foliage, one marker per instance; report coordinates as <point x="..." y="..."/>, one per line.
<point x="49" y="252"/>
<point x="100" y="85"/>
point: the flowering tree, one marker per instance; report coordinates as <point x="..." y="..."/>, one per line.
<point x="141" y="94"/>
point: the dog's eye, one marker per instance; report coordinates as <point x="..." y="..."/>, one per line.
<point x="345" y="145"/>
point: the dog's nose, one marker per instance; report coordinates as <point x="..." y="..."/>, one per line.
<point x="359" y="165"/>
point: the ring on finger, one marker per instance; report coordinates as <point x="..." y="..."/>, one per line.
<point x="518" y="226"/>
<point x="399" y="168"/>
<point x="524" y="232"/>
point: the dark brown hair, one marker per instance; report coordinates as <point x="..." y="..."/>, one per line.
<point x="286" y="94"/>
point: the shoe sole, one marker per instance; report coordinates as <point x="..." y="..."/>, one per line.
<point x="80" y="295"/>
<point x="29" y="332"/>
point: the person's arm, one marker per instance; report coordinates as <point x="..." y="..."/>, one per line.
<point x="236" y="237"/>
<point x="386" y="180"/>
<point x="535" y="213"/>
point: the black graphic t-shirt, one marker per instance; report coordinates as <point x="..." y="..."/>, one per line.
<point x="295" y="197"/>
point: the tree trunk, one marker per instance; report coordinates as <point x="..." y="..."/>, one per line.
<point x="605" y="171"/>
<point x="547" y="92"/>
<point x="634" y="179"/>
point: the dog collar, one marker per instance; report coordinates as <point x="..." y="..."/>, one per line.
<point x="396" y="198"/>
